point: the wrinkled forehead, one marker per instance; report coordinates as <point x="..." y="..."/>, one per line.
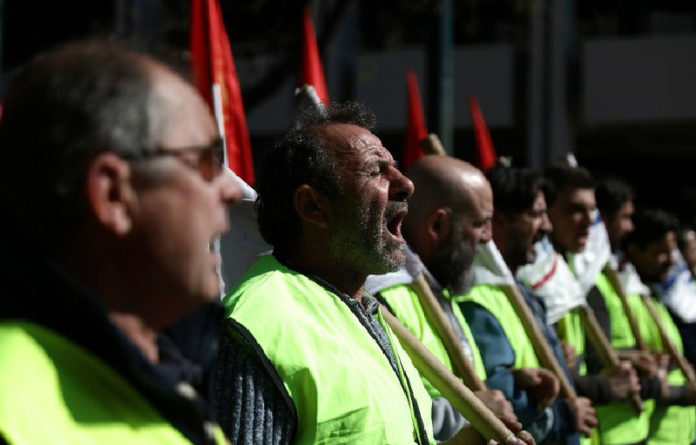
<point x="348" y="142"/>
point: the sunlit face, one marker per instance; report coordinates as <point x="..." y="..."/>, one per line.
<point x="525" y="230"/>
<point x="454" y="255"/>
<point x="365" y="224"/>
<point x="621" y="224"/>
<point x="653" y="261"/>
<point x="180" y="213"/>
<point x="571" y="217"/>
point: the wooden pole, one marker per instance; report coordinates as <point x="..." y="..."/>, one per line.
<point x="461" y="397"/>
<point x="435" y="316"/>
<point x="541" y="346"/>
<point x="432" y="146"/>
<point x="601" y="343"/>
<point x="671" y="348"/>
<point x="613" y="278"/>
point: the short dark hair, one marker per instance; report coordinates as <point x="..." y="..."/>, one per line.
<point x="298" y="158"/>
<point x="514" y="188"/>
<point x="559" y="177"/>
<point x="651" y="225"/>
<point x="611" y="194"/>
<point x="60" y="111"/>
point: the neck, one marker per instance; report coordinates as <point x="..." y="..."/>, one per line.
<point x="142" y="335"/>
<point x="347" y="281"/>
<point x="97" y="270"/>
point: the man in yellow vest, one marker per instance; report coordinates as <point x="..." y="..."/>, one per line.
<point x="571" y="196"/>
<point x="649" y="250"/>
<point x="449" y="215"/>
<point x="114" y="193"/>
<point x="331" y="202"/>
<point x="519" y="220"/>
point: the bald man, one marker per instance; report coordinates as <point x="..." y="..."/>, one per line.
<point x="449" y="215"/>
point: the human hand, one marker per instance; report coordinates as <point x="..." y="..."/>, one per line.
<point x="585" y="415"/>
<point x="541" y="385"/>
<point x="645" y="363"/>
<point x="623" y="381"/>
<point x="501" y="407"/>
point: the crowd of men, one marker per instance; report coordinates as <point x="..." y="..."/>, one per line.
<point x="554" y="287"/>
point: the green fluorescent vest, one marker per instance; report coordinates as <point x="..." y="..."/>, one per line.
<point x="342" y="385"/>
<point x="673" y="425"/>
<point x="618" y="422"/>
<point x="407" y="308"/>
<point x="53" y="391"/>
<point x="571" y="330"/>
<point x="494" y="300"/>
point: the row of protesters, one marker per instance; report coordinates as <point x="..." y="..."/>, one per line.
<point x="454" y="211"/>
<point x="520" y="220"/>
<point x="112" y="322"/>
<point x="630" y="247"/>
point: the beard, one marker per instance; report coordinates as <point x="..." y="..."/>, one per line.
<point x="451" y="265"/>
<point x="362" y="241"/>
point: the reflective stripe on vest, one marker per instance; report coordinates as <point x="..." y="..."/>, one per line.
<point x="493" y="299"/>
<point x="618" y="422"/>
<point x="342" y="384"/>
<point x="53" y="391"/>
<point x="407" y="308"/>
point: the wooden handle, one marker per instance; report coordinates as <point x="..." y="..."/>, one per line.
<point x="601" y="343"/>
<point x="461" y="397"/>
<point x="613" y="277"/>
<point x="432" y="145"/>
<point x="672" y="350"/>
<point x="541" y="346"/>
<point x="461" y="364"/>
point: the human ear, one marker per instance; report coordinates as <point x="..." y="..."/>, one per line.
<point x="109" y="192"/>
<point x="310" y="205"/>
<point x="438" y="224"/>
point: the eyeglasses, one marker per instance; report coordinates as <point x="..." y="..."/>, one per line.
<point x="209" y="163"/>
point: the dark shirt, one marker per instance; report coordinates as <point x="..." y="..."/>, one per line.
<point x="499" y="357"/>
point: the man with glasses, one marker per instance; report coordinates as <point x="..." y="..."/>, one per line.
<point x="114" y="192"/>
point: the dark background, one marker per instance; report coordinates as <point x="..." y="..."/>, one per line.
<point x="656" y="154"/>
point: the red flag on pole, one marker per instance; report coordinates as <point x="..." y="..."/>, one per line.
<point x="485" y="153"/>
<point x="415" y="126"/>
<point x="215" y="77"/>
<point x="311" y="70"/>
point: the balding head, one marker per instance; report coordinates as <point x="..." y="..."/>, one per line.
<point x="449" y="214"/>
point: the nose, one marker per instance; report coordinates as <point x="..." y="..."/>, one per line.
<point x="546" y="225"/>
<point x="230" y="187"/>
<point x="400" y="187"/>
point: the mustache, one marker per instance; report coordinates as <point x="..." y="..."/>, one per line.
<point x="394" y="208"/>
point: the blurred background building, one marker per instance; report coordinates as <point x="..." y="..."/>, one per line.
<point x="613" y="81"/>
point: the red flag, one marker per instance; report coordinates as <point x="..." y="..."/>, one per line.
<point x="485" y="153"/>
<point x="415" y="127"/>
<point x="311" y="71"/>
<point x="213" y="68"/>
